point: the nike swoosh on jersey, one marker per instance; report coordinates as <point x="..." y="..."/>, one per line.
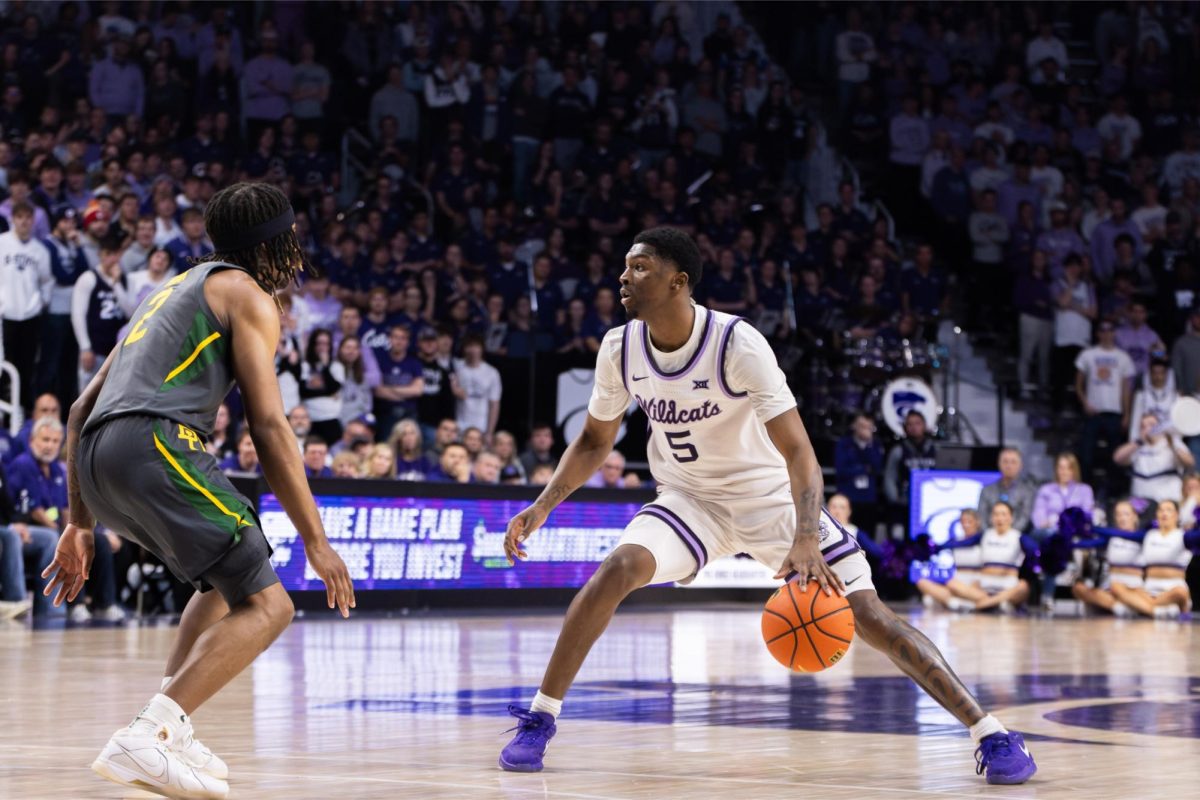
<point x="640" y="377"/>
<point x="852" y="581"/>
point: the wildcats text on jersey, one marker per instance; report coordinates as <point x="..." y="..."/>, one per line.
<point x="667" y="413"/>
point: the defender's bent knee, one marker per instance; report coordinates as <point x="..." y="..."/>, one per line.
<point x="274" y="606"/>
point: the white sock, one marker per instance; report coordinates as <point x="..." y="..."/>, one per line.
<point x="162" y="710"/>
<point x="986" y="727"/>
<point x="546" y="705"/>
<point x="1119" y="609"/>
<point x="165" y="682"/>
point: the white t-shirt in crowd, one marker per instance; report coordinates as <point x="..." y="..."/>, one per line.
<point x="1106" y="372"/>
<point x="482" y="385"/>
<point x="1071" y="328"/>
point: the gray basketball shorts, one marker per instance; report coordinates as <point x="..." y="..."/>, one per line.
<point x="150" y="480"/>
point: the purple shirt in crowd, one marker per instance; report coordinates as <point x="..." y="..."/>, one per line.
<point x="1053" y="499"/>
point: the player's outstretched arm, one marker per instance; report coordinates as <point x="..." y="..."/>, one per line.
<point x="808" y="489"/>
<point x="253" y="321"/>
<point x="580" y="461"/>
<point x="73" y="556"/>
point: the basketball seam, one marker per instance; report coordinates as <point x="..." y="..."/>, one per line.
<point x="791" y="629"/>
<point x="829" y="614"/>
<point x="812" y="644"/>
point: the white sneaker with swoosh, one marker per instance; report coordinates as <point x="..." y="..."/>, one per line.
<point x="141" y="757"/>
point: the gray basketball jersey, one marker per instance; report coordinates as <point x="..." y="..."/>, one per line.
<point x="174" y="361"/>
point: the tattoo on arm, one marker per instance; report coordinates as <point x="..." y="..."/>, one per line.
<point x="808" y="510"/>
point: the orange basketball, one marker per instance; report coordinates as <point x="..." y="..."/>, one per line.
<point x="807" y="631"/>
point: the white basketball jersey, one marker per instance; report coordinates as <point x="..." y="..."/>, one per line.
<point x="705" y="439"/>
<point x="1167" y="549"/>
<point x="1002" y="549"/>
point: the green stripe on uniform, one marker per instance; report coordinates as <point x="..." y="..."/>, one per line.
<point x="202" y="346"/>
<point x="212" y="502"/>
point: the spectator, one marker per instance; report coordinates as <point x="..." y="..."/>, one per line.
<point x="347" y="465"/>
<point x="1156" y="460"/>
<point x="454" y="466"/>
<point x="192" y="241"/>
<point x="1035" y="305"/>
<point x="380" y="463"/>
<point x="19" y="194"/>
<point x="1066" y="491"/>
<point x="539" y="451"/>
<point x="319" y="389"/>
<point x="357" y="434"/>
<point x="1138" y="339"/>
<point x="221" y="442"/>
<point x="446" y="434"/>
<point x="407" y="443"/>
<point x="245" y="460"/>
<point x="25" y="281"/>
<point x="1075" y="309"/>
<point x="1103" y="377"/>
<point x="116" y="85"/>
<point x="504" y="444"/>
<point x="316" y="452"/>
<point x="37" y="484"/>
<point x="486" y="469"/>
<point x="59" y="354"/>
<point x="915" y="451"/>
<point x="855" y="53"/>
<point x="478" y="388"/>
<point x="1045" y="46"/>
<point x="611" y="474"/>
<point x="394" y="100"/>
<point x="20" y="543"/>
<point x="1156" y="396"/>
<point x="100" y="305"/>
<point x="1014" y="487"/>
<point x="923" y="288"/>
<point x="401" y="380"/>
<point x="858" y="459"/>
<point x="136" y="256"/>
<point x="267" y="85"/>
<point x="357" y="384"/>
<point x="1104" y="239"/>
<point x="310" y="89"/>
<point x="542" y="474"/>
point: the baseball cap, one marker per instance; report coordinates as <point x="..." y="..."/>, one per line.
<point x="95" y="213"/>
<point x="63" y="213"/>
<point x="427" y="333"/>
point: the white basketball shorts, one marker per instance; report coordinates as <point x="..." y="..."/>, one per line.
<point x="685" y="533"/>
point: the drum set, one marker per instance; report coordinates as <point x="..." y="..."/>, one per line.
<point x="855" y="375"/>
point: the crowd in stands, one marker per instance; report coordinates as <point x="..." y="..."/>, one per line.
<point x="514" y="151"/>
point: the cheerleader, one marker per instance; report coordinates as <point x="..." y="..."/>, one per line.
<point x="1166" y="553"/>
<point x="967" y="563"/>
<point x="1122" y="565"/>
<point x="1002" y="550"/>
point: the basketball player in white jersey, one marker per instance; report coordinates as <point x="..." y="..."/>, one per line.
<point x="736" y="474"/>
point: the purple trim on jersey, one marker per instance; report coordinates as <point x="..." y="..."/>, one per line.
<point x="721" y="361"/>
<point x="686" y="368"/>
<point x="689" y="537"/>
<point x="624" y="347"/>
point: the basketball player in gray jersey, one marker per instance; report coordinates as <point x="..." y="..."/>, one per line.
<point x="136" y="460"/>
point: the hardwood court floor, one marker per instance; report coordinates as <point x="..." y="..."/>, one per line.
<point x="672" y="704"/>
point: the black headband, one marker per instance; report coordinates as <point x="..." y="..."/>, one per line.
<point x="249" y="237"/>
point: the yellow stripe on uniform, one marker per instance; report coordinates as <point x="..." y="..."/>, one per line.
<point x="187" y="362"/>
<point x="171" y="460"/>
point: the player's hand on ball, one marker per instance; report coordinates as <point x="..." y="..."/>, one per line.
<point x="339" y="589"/>
<point x="806" y="561"/>
<point x="71" y="565"/>
<point x="520" y="528"/>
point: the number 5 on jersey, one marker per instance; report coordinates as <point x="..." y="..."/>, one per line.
<point x="139" y="330"/>
<point x="675" y="440"/>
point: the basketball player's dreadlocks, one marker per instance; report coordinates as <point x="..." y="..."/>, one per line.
<point x="274" y="262"/>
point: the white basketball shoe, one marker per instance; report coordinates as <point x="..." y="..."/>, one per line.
<point x="193" y="753"/>
<point x="142" y="756"/>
